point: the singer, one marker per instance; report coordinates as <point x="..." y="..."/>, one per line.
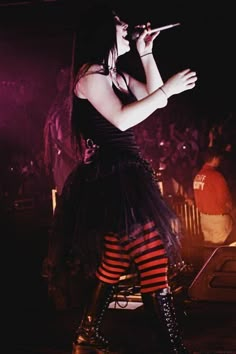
<point x="111" y="213"/>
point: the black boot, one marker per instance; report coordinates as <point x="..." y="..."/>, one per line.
<point x="160" y="307"/>
<point x="88" y="336"/>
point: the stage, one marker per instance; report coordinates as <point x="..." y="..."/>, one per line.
<point x="38" y="325"/>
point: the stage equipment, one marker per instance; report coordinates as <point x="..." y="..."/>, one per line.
<point x="216" y="281"/>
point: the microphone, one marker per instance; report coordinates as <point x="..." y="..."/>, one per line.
<point x="136" y="33"/>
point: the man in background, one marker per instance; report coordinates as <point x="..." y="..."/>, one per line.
<point x="213" y="200"/>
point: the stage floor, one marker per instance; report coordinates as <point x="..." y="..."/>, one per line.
<point x="35" y="326"/>
<point x="208" y="329"/>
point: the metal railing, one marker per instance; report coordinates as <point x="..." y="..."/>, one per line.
<point x="189" y="217"/>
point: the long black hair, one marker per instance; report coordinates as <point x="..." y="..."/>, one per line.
<point x="95" y="37"/>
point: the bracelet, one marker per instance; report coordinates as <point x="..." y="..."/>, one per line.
<point x="160" y="88"/>
<point x="145" y="54"/>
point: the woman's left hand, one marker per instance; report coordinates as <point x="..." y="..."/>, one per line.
<point x="144" y="43"/>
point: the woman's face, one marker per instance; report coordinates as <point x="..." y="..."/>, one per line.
<point x="121" y="33"/>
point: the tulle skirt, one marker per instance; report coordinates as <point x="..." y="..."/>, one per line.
<point x="112" y="194"/>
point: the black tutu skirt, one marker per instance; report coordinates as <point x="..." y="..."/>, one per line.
<point x="109" y="195"/>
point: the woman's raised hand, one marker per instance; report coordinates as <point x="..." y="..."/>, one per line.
<point x="144" y="43"/>
<point x="182" y="81"/>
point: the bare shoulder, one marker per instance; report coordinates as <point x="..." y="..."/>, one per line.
<point x="89" y="78"/>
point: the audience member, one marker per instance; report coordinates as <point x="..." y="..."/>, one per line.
<point x="213" y="199"/>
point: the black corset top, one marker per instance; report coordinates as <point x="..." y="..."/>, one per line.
<point x="94" y="126"/>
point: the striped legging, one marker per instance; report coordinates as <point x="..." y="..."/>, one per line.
<point x="145" y="248"/>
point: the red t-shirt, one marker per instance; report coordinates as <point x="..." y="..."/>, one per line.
<point x="211" y="192"/>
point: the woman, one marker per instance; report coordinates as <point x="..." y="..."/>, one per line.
<point x="111" y="212"/>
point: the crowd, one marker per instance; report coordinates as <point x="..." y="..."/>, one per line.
<point x="177" y="153"/>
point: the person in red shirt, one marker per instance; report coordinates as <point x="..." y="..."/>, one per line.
<point x="213" y="199"/>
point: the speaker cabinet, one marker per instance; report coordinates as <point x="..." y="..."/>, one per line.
<point x="216" y="281"/>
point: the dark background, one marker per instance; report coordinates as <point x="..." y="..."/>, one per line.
<point x="204" y="41"/>
<point x="37" y="38"/>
